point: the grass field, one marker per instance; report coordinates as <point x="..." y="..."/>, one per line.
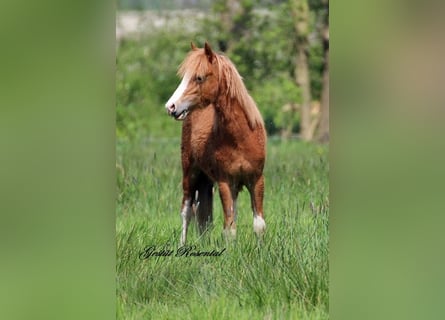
<point x="284" y="276"/>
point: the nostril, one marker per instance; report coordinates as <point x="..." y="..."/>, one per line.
<point x="171" y="108"/>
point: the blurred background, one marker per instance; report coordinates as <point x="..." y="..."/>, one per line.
<point x="58" y="147"/>
<point x="280" y="47"/>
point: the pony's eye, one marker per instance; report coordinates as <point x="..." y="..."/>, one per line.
<point x="199" y="79"/>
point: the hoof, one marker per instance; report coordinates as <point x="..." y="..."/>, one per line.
<point x="229" y="233"/>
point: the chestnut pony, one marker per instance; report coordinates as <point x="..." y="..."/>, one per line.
<point x="223" y="140"/>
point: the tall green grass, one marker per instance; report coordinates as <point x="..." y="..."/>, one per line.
<point x="282" y="276"/>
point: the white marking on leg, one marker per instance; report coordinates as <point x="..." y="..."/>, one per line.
<point x="178" y="92"/>
<point x="186" y="214"/>
<point x="259" y="225"/>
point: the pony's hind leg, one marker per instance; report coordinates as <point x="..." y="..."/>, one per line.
<point x="203" y="203"/>
<point x="228" y="204"/>
<point x="256" y="191"/>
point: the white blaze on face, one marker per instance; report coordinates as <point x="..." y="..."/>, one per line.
<point x="178" y="92"/>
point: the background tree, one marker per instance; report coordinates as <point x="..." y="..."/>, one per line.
<point x="322" y="134"/>
<point x="300" y="14"/>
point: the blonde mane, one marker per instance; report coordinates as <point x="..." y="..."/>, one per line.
<point x="196" y="60"/>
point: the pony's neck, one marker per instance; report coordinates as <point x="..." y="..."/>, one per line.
<point x="229" y="113"/>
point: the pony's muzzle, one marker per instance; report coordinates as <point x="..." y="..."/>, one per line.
<point x="177" y="114"/>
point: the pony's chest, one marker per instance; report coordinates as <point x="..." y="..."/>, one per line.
<point x="202" y="129"/>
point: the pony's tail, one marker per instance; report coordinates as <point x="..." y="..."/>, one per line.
<point x="203" y="202"/>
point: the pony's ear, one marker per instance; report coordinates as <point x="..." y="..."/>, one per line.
<point x="192" y="45"/>
<point x="209" y="53"/>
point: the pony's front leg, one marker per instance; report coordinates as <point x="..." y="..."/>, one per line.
<point x="186" y="208"/>
<point x="228" y="205"/>
<point x="186" y="215"/>
<point x="256" y="191"/>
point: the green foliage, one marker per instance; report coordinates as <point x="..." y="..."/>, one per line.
<point x="316" y="65"/>
<point x="283" y="277"/>
<point x="262" y="46"/>
<point x="145" y="79"/>
<point x="272" y="95"/>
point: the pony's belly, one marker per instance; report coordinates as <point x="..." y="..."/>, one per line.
<point x="228" y="165"/>
<point x="237" y="164"/>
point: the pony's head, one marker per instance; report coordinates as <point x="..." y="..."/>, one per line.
<point x="199" y="85"/>
<point x="207" y="77"/>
